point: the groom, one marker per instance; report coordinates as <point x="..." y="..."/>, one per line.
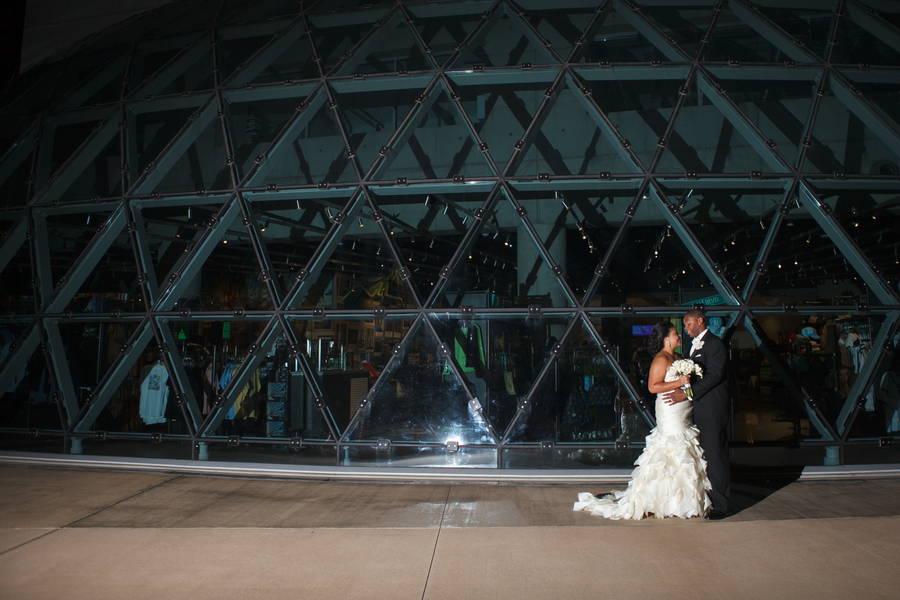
<point x="710" y="408"/>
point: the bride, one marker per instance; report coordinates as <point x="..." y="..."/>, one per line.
<point x="670" y="477"/>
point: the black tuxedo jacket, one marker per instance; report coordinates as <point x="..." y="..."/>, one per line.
<point x="710" y="392"/>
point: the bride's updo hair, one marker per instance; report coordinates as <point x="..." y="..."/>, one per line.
<point x="658" y="338"/>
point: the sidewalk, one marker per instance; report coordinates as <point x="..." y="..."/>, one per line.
<point x="92" y="534"/>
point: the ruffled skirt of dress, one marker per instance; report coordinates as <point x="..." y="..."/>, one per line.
<point x="669" y="480"/>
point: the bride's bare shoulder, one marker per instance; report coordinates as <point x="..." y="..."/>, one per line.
<point x="661" y="360"/>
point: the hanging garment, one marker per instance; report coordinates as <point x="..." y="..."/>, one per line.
<point x="154" y="395"/>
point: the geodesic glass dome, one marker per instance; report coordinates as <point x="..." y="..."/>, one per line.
<point x="437" y="233"/>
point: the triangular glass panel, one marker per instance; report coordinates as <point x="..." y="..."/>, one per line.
<point x="561" y="28"/>
<point x="810" y="26"/>
<point x="68" y="235"/>
<point x="444" y="32"/>
<point x="769" y="403"/>
<point x="855" y="45"/>
<point x="149" y="57"/>
<point x="639" y="111"/>
<point x="733" y="39"/>
<point x="90" y="349"/>
<point x="101" y="178"/>
<point x="80" y="69"/>
<point x="338" y="347"/>
<point x="17" y="295"/>
<point x="573" y="238"/>
<point x="292" y="228"/>
<point x="501" y="113"/>
<point x="684" y="24"/>
<point x="617" y="41"/>
<point x="113" y="285"/>
<point x="505" y="262"/>
<point x="881" y="94"/>
<point x="574" y="401"/>
<point x="239" y="12"/>
<point x="196" y="76"/>
<point x="210" y="351"/>
<point x="869" y="220"/>
<point x="231" y="278"/>
<point x="152" y="132"/>
<point x="237" y="50"/>
<point x="202" y="167"/>
<point x="14" y="189"/>
<point x="107" y="84"/>
<point x="28" y="400"/>
<point x="571" y="143"/>
<point x="731" y="226"/>
<point x="334" y="38"/>
<point x="408" y="405"/>
<point x="316" y="155"/>
<point x="426" y="229"/>
<point x="879" y="413"/>
<point x="429" y="152"/>
<point x="650" y="248"/>
<point x="172" y="232"/>
<point x="779" y="110"/>
<point x="499" y="357"/>
<point x="371" y="118"/>
<point x="842" y="143"/>
<point x="504" y="45"/>
<point x="294" y="64"/>
<point x="58" y="144"/>
<point x="254" y="125"/>
<point x="805" y="267"/>
<point x="374" y="278"/>
<point x="398" y="52"/>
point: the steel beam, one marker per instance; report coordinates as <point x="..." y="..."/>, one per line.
<point x="632" y="72"/>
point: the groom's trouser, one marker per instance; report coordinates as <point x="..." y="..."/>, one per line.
<point x="714" y="440"/>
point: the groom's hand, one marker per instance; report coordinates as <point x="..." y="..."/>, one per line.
<point x="675" y="396"/>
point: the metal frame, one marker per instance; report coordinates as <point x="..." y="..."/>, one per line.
<point x="357" y="197"/>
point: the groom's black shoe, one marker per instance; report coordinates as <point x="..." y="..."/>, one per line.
<point x="717" y="515"/>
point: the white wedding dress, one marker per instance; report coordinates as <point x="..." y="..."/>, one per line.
<point x="670" y="477"/>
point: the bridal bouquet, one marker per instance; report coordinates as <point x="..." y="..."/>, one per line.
<point x="682" y="367"/>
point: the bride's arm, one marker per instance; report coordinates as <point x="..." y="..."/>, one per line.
<point x="656" y="380"/>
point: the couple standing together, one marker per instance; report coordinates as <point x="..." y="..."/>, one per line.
<point x="683" y="470"/>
